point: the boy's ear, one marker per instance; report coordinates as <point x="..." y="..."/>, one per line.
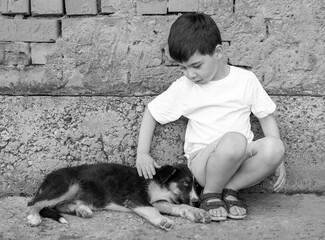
<point x="219" y="51"/>
<point x="165" y="173"/>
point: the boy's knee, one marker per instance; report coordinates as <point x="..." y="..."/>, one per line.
<point x="235" y="139"/>
<point x="235" y="143"/>
<point x="273" y="149"/>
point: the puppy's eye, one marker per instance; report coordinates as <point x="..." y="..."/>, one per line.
<point x="186" y="184"/>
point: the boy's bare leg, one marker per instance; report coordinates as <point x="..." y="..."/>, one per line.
<point x="223" y="162"/>
<point x="267" y="156"/>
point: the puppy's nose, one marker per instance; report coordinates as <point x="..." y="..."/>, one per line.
<point x="194" y="202"/>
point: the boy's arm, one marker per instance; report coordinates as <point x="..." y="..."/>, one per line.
<point x="270" y="129"/>
<point x="145" y="164"/>
<point x="269" y="126"/>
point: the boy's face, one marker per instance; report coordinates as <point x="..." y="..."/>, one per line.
<point x="202" y="69"/>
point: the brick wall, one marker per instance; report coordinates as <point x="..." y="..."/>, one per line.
<point x="277" y="40"/>
<point x="75" y="76"/>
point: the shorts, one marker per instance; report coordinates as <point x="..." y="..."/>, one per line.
<point x="198" y="159"/>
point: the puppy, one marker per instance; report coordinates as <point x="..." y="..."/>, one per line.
<point x="82" y="189"/>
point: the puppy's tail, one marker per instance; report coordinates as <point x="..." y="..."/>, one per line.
<point x="53" y="214"/>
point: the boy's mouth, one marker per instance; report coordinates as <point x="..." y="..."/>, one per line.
<point x="201" y="81"/>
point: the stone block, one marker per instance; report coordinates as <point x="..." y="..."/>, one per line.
<point x="286" y="62"/>
<point x="183" y="5"/>
<point x="47" y="7"/>
<point x="151" y="7"/>
<point x="277" y="9"/>
<point x="36" y="79"/>
<point x="14" y="54"/>
<point x="111" y="61"/>
<point x="113" y="6"/>
<point x="216" y="8"/>
<point x="39" y="134"/>
<point x="294" y="57"/>
<point x="39" y="52"/>
<point x="81" y="7"/>
<point x="15" y="79"/>
<point x="29" y="30"/>
<point x="15" y="7"/>
<point x="287" y="54"/>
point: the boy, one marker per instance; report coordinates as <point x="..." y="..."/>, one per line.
<point x="217" y="99"/>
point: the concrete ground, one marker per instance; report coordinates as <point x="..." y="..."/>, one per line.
<point x="271" y="216"/>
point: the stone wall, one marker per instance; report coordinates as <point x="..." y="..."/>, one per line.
<point x="75" y="76"/>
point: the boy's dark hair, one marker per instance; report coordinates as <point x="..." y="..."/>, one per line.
<point x="193" y="32"/>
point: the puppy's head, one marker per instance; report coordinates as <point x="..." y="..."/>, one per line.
<point x="178" y="179"/>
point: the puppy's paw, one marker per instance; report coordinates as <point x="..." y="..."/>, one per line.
<point x="194" y="214"/>
<point x="165" y="223"/>
<point x="34" y="220"/>
<point x="201" y="215"/>
<point x="84" y="211"/>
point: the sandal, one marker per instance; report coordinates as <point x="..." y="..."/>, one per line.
<point x="231" y="203"/>
<point x="212" y="201"/>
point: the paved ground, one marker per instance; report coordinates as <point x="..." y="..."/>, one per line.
<point x="271" y="216"/>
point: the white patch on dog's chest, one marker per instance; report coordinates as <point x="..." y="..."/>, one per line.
<point x="157" y="193"/>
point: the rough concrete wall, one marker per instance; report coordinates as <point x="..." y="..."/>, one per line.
<point x="75" y="79"/>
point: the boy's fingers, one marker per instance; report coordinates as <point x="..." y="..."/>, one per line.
<point x="153" y="170"/>
<point x="279" y="184"/>
<point x="139" y="171"/>
<point x="149" y="172"/>
<point x="276" y="184"/>
<point x="145" y="175"/>
<point x="142" y="171"/>
<point x="156" y="165"/>
<point x="278" y="188"/>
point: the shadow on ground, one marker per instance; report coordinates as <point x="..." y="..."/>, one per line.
<point x="271" y="216"/>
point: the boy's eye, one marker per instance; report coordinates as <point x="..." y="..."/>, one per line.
<point x="197" y="66"/>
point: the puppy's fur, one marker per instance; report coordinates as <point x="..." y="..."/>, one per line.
<point x="80" y="190"/>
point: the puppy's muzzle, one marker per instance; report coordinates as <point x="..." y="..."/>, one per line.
<point x="194" y="198"/>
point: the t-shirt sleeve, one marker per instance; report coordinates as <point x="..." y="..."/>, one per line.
<point x="167" y="107"/>
<point x="260" y="102"/>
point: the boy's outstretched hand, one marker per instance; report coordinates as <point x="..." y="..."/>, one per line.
<point x="280" y="174"/>
<point x="146" y="165"/>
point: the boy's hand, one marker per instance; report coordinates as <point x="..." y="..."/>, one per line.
<point x="280" y="174"/>
<point x="146" y="165"/>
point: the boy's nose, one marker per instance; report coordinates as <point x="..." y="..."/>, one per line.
<point x="190" y="74"/>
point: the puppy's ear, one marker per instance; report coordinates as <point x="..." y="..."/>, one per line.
<point x="165" y="173"/>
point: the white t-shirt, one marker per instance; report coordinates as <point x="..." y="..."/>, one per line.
<point x="215" y="108"/>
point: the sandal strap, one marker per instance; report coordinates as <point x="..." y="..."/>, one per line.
<point x="207" y="196"/>
<point x="207" y="204"/>
<point x="236" y="203"/>
<point x="229" y="192"/>
<point x="230" y="203"/>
